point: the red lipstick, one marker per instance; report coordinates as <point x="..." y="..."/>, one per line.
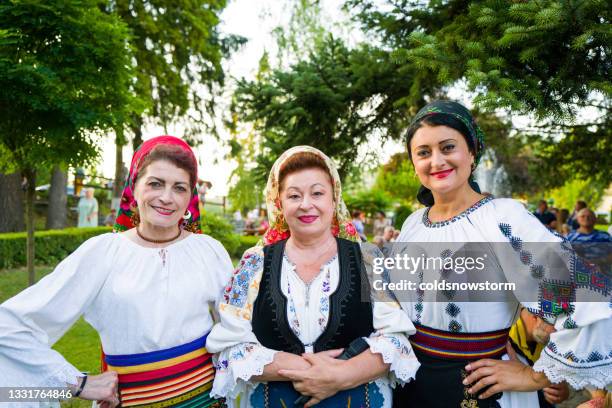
<point x="308" y="219"/>
<point x="442" y="174"/>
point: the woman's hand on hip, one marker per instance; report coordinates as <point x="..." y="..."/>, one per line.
<point x="102" y="388"/>
<point x="503" y="375"/>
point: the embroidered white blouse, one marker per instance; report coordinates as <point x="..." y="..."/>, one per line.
<point x="138" y="299"/>
<point x="241" y="356"/>
<point x="579" y="352"/>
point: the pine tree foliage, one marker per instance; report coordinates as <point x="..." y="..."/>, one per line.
<point x="543" y="57"/>
<point x="335" y="100"/>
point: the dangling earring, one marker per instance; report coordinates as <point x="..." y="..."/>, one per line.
<point x="135" y="218"/>
<point x="187" y="215"/>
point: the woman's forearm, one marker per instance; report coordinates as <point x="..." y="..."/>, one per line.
<point x="282" y="360"/>
<point x="363" y="368"/>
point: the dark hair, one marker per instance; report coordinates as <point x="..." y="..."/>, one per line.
<point x="424" y="195"/>
<point x="356" y="213"/>
<point x="582" y="204"/>
<point x="175" y="155"/>
<point x="301" y="161"/>
<point x="440" y="120"/>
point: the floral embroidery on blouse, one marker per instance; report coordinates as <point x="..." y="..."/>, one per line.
<point x="239" y="352"/>
<point x="294" y="322"/>
<point x="324" y="303"/>
<point x="236" y="292"/>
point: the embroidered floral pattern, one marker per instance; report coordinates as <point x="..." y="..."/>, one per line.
<point x="438" y="224"/>
<point x="236" y="292"/>
<point x="324" y="302"/>
<point x="294" y="322"/>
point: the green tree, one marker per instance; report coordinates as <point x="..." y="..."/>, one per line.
<point x="545" y="58"/>
<point x="574" y="190"/>
<point x="245" y="192"/>
<point x="398" y="179"/>
<point x="368" y="201"/>
<point x="64" y="72"/>
<point x="334" y="100"/>
<point x="177" y="55"/>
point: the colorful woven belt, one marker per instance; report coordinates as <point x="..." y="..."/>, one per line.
<point x="459" y="346"/>
<point x="180" y="376"/>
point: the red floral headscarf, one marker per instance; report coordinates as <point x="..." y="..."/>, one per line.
<point x="127" y="209"/>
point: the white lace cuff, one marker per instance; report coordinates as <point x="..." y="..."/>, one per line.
<point x="395" y="350"/>
<point x="66" y="374"/>
<point x="236" y="365"/>
<point x="557" y="369"/>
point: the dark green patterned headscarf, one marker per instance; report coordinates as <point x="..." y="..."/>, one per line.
<point x="474" y="136"/>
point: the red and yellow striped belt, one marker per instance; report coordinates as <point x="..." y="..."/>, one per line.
<point x="459" y="346"/>
<point x="181" y="377"/>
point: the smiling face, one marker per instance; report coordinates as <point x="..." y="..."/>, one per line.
<point x="441" y="158"/>
<point x="162" y="192"/>
<point x="307" y="202"/>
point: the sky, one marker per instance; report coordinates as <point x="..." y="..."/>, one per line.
<point x="254" y="20"/>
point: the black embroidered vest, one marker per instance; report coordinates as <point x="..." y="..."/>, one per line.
<point x="349" y="317"/>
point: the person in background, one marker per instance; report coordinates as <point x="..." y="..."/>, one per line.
<point x="562" y="227"/>
<point x="379" y="241"/>
<point x="358" y="222"/>
<point x="380" y="222"/>
<point x="203" y="187"/>
<point x="263" y="222"/>
<point x="528" y="336"/>
<point x="546" y="217"/>
<point x="594" y="245"/>
<point x="88" y="210"/>
<point x="109" y="221"/>
<point x="389" y="234"/>
<point x="572" y="221"/>
<point x="586" y="231"/>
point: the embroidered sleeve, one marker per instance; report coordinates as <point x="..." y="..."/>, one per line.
<point x="236" y="365"/>
<point x="239" y="355"/>
<point x="566" y="290"/>
<point x="392" y="325"/>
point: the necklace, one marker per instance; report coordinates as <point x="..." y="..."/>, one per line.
<point x="158" y="241"/>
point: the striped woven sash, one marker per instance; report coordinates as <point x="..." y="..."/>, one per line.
<point x="180" y="376"/>
<point x="459" y="346"/>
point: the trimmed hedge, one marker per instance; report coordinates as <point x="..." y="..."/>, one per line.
<point x="246" y="242"/>
<point x="54" y="245"/>
<point x="220" y="229"/>
<point x="51" y="246"/>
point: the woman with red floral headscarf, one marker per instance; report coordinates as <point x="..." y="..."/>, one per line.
<point x="147" y="290"/>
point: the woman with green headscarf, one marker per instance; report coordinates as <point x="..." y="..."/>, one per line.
<point x="461" y="338"/>
<point x="302" y="298"/>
